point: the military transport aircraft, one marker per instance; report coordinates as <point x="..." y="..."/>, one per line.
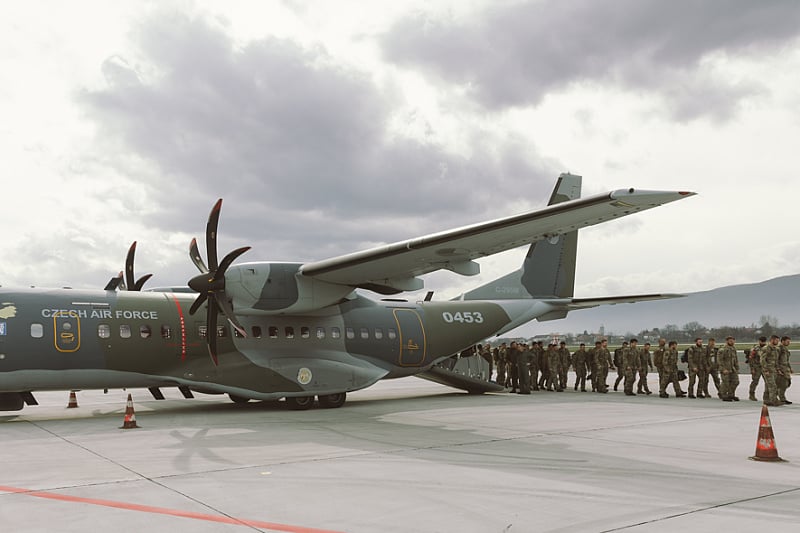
<point x="302" y="331"/>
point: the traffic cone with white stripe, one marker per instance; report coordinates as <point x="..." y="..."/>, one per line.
<point x="73" y="400"/>
<point x="766" y="450"/>
<point x="130" y="416"/>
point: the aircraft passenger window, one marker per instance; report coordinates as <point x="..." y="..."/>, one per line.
<point x="391" y="333"/>
<point x="335" y="333"/>
<point x="378" y="333"/>
<point x="37" y="331"/>
<point x="222" y="331"/>
<point x="104" y="331"/>
<point x="166" y="332"/>
<point x="202" y="331"/>
<point x="273" y="332"/>
<point x="289" y="332"/>
<point x="305" y="332"/>
<point x="145" y="332"/>
<point x="320" y="333"/>
<point x="350" y="333"/>
<point x="256" y="332"/>
<point x="237" y="333"/>
<point x="125" y="331"/>
<point x="364" y="333"/>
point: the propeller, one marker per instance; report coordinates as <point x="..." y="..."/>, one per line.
<point x="210" y="283"/>
<point x="126" y="281"/>
<point x="130" y="284"/>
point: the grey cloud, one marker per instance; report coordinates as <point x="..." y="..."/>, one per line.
<point x="515" y="54"/>
<point x="295" y="144"/>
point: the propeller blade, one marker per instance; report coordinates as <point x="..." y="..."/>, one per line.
<point x="129" y="278"/>
<point x="211" y="235"/>
<point x="140" y="282"/>
<point x="211" y="332"/>
<point x="227" y="310"/>
<point x="115" y="282"/>
<point x="226" y="262"/>
<point x="201" y="298"/>
<point x="194" y="253"/>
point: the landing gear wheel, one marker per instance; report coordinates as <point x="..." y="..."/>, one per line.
<point x="330" y="401"/>
<point x="238" y="399"/>
<point x="300" y="403"/>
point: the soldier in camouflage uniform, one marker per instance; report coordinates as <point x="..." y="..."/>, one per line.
<point x="754" y="360"/>
<point x="630" y="365"/>
<point x="535" y="358"/>
<point x="554" y="370"/>
<point x="658" y="362"/>
<point x="712" y="367"/>
<point x="579" y="363"/>
<point x="523" y="369"/>
<point x="670" y="372"/>
<point x="512" y="355"/>
<point x="729" y="368"/>
<point x="645" y="364"/>
<point x="618" y="363"/>
<point x="769" y="369"/>
<point x="697" y="355"/>
<point x="591" y="364"/>
<point x="784" y="378"/>
<point x="564" y="361"/>
<point x="486" y="354"/>
<point x="602" y="362"/>
<point x="544" y="366"/>
<point x="501" y="362"/>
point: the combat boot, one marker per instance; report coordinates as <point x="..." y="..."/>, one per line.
<point x="753" y="397"/>
<point x="663" y="395"/>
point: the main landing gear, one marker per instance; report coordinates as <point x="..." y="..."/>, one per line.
<point x="327" y="401"/>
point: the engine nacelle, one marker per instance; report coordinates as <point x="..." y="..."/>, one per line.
<point x="277" y="288"/>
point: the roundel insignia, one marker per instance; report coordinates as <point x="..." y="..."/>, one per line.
<point x="554" y="239"/>
<point x="304" y="376"/>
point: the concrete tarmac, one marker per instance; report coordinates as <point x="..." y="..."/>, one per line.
<point x="402" y="456"/>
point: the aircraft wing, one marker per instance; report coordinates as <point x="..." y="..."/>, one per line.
<point x="394" y="268"/>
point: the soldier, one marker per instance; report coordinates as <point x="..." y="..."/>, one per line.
<point x="602" y="362"/>
<point x="618" y="363"/>
<point x="696" y="364"/>
<point x="712" y="367"/>
<point x="754" y="360"/>
<point x="658" y="361"/>
<point x="486" y="353"/>
<point x="523" y="360"/>
<point x="501" y="361"/>
<point x="784" y="378"/>
<point x="513" y="371"/>
<point x="769" y="369"/>
<point x="533" y="366"/>
<point x="543" y="368"/>
<point x="670" y="375"/>
<point x="579" y="362"/>
<point x="645" y="363"/>
<point x="564" y="360"/>
<point x="729" y="367"/>
<point x="590" y="355"/>
<point x="630" y="363"/>
<point x="554" y="370"/>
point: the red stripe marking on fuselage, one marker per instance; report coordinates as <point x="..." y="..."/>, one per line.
<point x="164" y="511"/>
<point x="183" y="327"/>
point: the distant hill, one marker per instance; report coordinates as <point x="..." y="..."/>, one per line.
<point x="735" y="305"/>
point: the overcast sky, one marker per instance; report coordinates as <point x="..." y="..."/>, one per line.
<point x="330" y="127"/>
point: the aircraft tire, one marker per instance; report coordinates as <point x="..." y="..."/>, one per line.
<point x="331" y="401"/>
<point x="300" y="403"/>
<point x="238" y="399"/>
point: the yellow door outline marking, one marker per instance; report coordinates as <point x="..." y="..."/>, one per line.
<point x="410" y="346"/>
<point x="66" y="336"/>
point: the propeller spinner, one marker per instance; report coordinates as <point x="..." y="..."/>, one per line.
<point x="210" y="283"/>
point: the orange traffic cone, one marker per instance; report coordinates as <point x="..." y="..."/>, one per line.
<point x="766" y="450"/>
<point x="130" y="416"/>
<point x="73" y="400"/>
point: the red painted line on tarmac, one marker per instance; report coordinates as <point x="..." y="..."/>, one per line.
<point x="170" y="512"/>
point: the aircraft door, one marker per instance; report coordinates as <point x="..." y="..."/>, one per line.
<point x="67" y="331"/>
<point x="411" y="336"/>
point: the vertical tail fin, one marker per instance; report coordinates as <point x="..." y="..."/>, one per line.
<point x="549" y="267"/>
